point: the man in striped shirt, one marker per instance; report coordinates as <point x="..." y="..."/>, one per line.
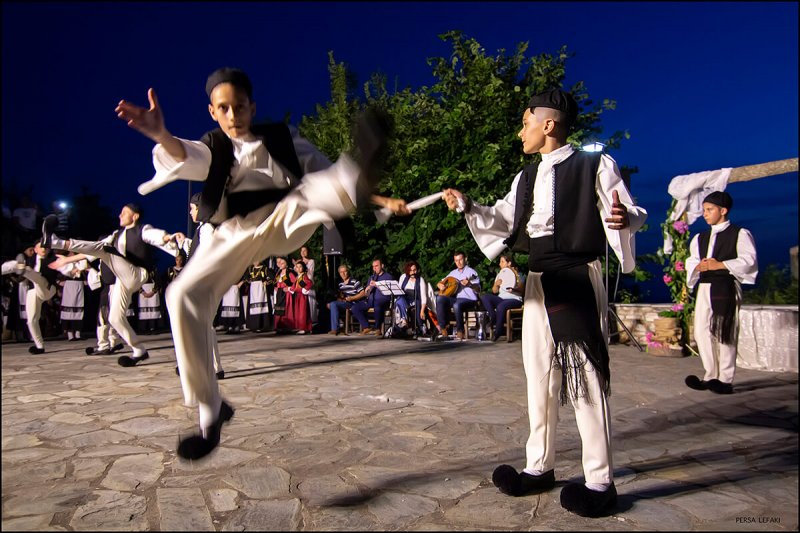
<point x="350" y="290"/>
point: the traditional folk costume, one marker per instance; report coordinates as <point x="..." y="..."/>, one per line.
<point x="202" y="235"/>
<point x="298" y="313"/>
<point x="150" y="319"/>
<point x="73" y="300"/>
<point x="128" y="252"/>
<point x="719" y="295"/>
<point x="108" y="340"/>
<point x="284" y="280"/>
<point x="313" y="306"/>
<point x="230" y="314"/>
<point x="268" y="193"/>
<point x="259" y="306"/>
<point x="555" y="211"/>
<point x="43" y="280"/>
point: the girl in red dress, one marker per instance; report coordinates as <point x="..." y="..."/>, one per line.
<point x="298" y="312"/>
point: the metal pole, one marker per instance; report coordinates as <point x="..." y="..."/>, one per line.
<point x="188" y="216"/>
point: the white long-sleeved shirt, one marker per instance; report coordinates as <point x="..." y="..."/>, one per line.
<point x="204" y="232"/>
<point x="253" y="168"/>
<point x="491" y="225"/>
<point x="744" y="267"/>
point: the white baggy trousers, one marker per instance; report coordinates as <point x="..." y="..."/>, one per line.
<point x="544" y="386"/>
<point x="130" y="279"/>
<point x="272" y="230"/>
<point x="719" y="359"/>
<point x="34" y="298"/>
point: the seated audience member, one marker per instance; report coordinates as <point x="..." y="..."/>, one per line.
<point x="350" y="291"/>
<point x="375" y="299"/>
<point x="413" y="307"/>
<point x="459" y="291"/>
<point x="507" y="292"/>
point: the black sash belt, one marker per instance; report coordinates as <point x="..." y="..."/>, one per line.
<point x="724" y="302"/>
<point x="245" y="202"/>
<point x="571" y="306"/>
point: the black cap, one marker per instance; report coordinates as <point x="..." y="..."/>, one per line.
<point x="234" y="76"/>
<point x="195" y="199"/>
<point x="720" y="198"/>
<point x="556" y="99"/>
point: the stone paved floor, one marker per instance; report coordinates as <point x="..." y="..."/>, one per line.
<point x="350" y="433"/>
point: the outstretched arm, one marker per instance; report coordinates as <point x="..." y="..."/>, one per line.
<point x="62" y="260"/>
<point x="150" y="123"/>
<point x="396" y="205"/>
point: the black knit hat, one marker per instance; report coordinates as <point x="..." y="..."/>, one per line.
<point x="234" y="76"/>
<point x="556" y="99"/>
<point x="720" y="198"/>
<point x="195" y="199"/>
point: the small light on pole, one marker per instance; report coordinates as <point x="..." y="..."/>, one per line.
<point x="594" y="146"/>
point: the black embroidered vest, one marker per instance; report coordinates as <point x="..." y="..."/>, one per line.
<point x="724" y="249"/>
<point x="278" y="141"/>
<point x="137" y="251"/>
<point x="578" y="227"/>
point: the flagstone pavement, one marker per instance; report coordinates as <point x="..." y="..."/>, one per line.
<point x="354" y="433"/>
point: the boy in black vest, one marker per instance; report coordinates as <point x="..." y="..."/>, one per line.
<point x="267" y="189"/>
<point x="720" y="260"/>
<point x="128" y="253"/>
<point x="556" y="211"/>
<point x="34" y="268"/>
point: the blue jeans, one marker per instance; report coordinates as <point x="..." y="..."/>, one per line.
<point x="496" y="307"/>
<point x="459" y="305"/>
<point x="379" y="304"/>
<point x="338" y="306"/>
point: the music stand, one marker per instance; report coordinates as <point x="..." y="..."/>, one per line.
<point x="390" y="288"/>
<point x="610" y="302"/>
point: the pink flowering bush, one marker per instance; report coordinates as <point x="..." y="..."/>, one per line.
<point x="675" y="269"/>
<point x="680" y="226"/>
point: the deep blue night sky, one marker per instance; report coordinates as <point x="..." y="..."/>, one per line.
<point x="699" y="86"/>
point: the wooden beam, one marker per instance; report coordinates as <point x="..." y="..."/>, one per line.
<point x="773" y="168"/>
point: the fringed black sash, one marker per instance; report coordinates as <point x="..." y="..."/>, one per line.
<point x="569" y="299"/>
<point x="724" y="301"/>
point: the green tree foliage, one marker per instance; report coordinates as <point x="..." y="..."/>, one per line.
<point x="775" y="286"/>
<point x="461" y="132"/>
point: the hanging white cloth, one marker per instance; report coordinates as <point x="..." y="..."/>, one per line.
<point x="689" y="190"/>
